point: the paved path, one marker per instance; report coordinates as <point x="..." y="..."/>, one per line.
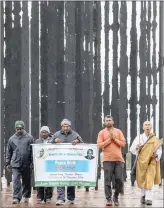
<point x="131" y="197"/>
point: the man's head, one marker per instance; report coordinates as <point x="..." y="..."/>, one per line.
<point x="19" y="126"/>
<point x="44" y="132"/>
<point x="41" y="152"/>
<point x="89" y="152"/>
<point x="66" y="125"/>
<point x="147" y="127"/>
<point x="108" y="121"/>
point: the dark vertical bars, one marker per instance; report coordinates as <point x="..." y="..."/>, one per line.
<point x="52" y="25"/>
<point x="106" y="93"/>
<point x="79" y="30"/>
<point x="90" y="68"/>
<point x="123" y="69"/>
<point x="35" y="67"/>
<point x="154" y="64"/>
<point x="133" y="75"/>
<point x="148" y="67"/>
<point x="2" y="89"/>
<point x="60" y="100"/>
<point x="44" y="58"/>
<point x="97" y="104"/>
<point x="25" y="65"/>
<point x="115" y="95"/>
<point x="70" y="61"/>
<point x="88" y="21"/>
<point x="161" y="70"/>
<point x="143" y="71"/>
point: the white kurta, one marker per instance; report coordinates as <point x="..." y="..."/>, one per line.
<point x="141" y="140"/>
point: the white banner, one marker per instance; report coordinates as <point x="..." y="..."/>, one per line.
<point x="65" y="164"/>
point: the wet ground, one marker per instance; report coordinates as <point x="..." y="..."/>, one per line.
<point x="131" y="197"/>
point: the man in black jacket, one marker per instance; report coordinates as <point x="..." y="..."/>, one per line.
<point x="19" y="161"/>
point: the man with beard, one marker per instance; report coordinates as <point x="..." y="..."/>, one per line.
<point x="148" y="162"/>
<point x="112" y="140"/>
<point x="19" y="161"/>
<point x="66" y="135"/>
<point x="44" y="193"/>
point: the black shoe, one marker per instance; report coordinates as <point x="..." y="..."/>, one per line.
<point x="148" y="202"/>
<point x="87" y="189"/>
<point x="143" y="200"/>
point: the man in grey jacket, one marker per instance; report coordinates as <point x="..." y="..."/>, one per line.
<point x="66" y="135"/>
<point x="19" y="161"/>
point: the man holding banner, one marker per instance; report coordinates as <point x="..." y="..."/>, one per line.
<point x="147" y="148"/>
<point x="66" y="135"/>
<point x="44" y="193"/>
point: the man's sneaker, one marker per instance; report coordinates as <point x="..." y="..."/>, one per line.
<point x="39" y="201"/>
<point x="143" y="200"/>
<point x="60" y="202"/>
<point x="26" y="200"/>
<point x="48" y="201"/>
<point x="116" y="202"/>
<point x="148" y="202"/>
<point x="71" y="202"/>
<point x="16" y="201"/>
<point x="109" y="203"/>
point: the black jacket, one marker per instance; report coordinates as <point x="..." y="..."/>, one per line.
<point x="19" y="150"/>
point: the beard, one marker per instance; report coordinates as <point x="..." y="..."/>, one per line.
<point x="108" y="125"/>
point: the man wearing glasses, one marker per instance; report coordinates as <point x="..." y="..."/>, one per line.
<point x="19" y="161"/>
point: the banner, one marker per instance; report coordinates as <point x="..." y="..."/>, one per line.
<point x="65" y="165"/>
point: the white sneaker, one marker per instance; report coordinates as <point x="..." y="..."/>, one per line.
<point x="60" y="202"/>
<point x="71" y="202"/>
<point x="26" y="200"/>
<point x="48" y="201"/>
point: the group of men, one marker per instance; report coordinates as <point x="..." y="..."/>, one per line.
<point x="111" y="140"/>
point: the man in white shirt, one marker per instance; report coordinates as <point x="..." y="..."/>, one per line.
<point x="148" y="162"/>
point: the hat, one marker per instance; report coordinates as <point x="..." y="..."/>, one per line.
<point x="65" y="122"/>
<point x="19" y="124"/>
<point x="45" y="128"/>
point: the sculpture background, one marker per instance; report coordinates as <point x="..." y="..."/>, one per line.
<point x="52" y="66"/>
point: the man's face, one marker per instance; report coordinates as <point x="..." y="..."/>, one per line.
<point x="109" y="122"/>
<point x="147" y="127"/>
<point x="19" y="131"/>
<point x="41" y="153"/>
<point x="44" y="134"/>
<point x="90" y="153"/>
<point x="66" y="128"/>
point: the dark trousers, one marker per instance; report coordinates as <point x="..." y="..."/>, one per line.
<point x="70" y="193"/>
<point x="23" y="189"/>
<point x="117" y="169"/>
<point x="44" y="193"/>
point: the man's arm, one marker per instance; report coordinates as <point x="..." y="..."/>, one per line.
<point x="121" y="140"/>
<point x="31" y="150"/>
<point x="9" y="152"/>
<point x="100" y="141"/>
<point x="55" y="138"/>
<point x="79" y="138"/>
<point x="133" y="148"/>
